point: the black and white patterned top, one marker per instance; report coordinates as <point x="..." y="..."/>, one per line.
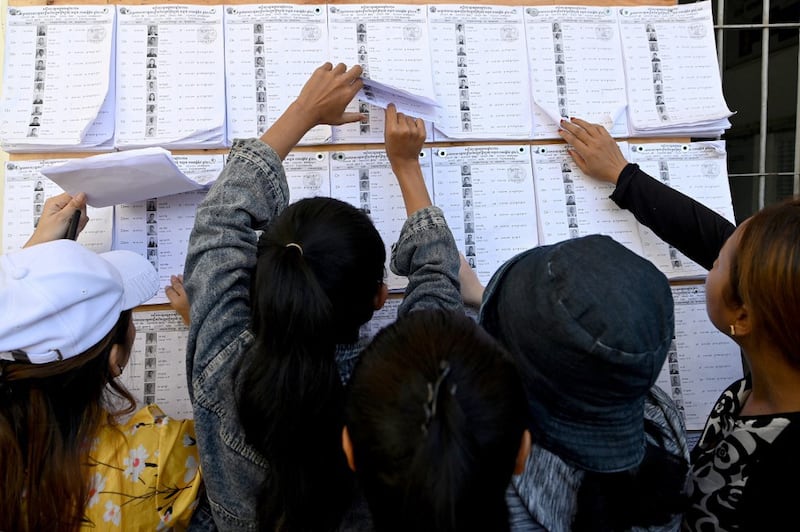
<point x="743" y="468"/>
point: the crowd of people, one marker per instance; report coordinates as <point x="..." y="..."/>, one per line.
<point x="541" y="415"/>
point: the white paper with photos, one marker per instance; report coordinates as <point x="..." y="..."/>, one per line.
<point x="156" y="370"/>
<point x="382" y="317"/>
<point x="56" y="76"/>
<point x="365" y="179"/>
<point x="487" y="195"/>
<point x="671" y="66"/>
<point x="170" y="76"/>
<point x="575" y="65"/>
<point x="696" y="169"/>
<point x="702" y="362"/>
<point x="390" y="42"/>
<point x="159" y="228"/>
<point x="307" y="174"/>
<point x="25" y="192"/>
<point x="270" y="52"/>
<point x="480" y="71"/>
<point x="571" y="204"/>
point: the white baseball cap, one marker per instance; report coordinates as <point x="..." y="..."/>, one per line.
<point x="58" y="299"/>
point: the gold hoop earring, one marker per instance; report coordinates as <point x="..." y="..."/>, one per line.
<point x="733" y="330"/>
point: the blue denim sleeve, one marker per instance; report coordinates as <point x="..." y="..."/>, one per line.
<point x="426" y="253"/>
<point x="249" y="193"/>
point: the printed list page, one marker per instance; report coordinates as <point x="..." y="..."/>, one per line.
<point x="156" y="370"/>
<point x="26" y="190"/>
<point x="571" y="204"/>
<point x="480" y="71"/>
<point x="698" y="170"/>
<point x="487" y="195"/>
<point x="170" y="76"/>
<point x="702" y="361"/>
<point x="391" y="44"/>
<point x="575" y="65"/>
<point x="159" y="228"/>
<point x="57" y="75"/>
<point x="365" y="179"/>
<point x="270" y="52"/>
<point x="671" y="65"/>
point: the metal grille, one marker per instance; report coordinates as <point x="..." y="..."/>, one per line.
<point x="764" y="150"/>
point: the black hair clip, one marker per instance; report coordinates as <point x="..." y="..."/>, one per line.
<point x="433" y="395"/>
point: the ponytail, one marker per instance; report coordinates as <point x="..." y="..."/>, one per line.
<point x="314" y="284"/>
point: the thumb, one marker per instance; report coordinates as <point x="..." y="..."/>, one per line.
<point x="579" y="160"/>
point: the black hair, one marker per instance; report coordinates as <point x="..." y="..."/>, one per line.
<point x="648" y="495"/>
<point x="436" y="413"/>
<point x="306" y="298"/>
<point x="48" y="413"/>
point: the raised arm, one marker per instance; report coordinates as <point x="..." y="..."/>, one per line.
<point x="693" y="228"/>
<point x="249" y="193"/>
<point x="426" y="251"/>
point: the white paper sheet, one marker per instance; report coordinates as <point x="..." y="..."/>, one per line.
<point x="26" y="190"/>
<point x="702" y="362"/>
<point x="56" y="76"/>
<point x="122" y="177"/>
<point x="365" y="179"/>
<point x="390" y="42"/>
<point x="270" y="52"/>
<point x="480" y="73"/>
<point x="671" y="67"/>
<point x="575" y="65"/>
<point x="170" y="76"/>
<point x="156" y="369"/>
<point x="487" y="195"/>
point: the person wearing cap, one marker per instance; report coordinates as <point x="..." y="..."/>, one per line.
<point x="748" y="447"/>
<point x="589" y="324"/>
<point x="66" y="332"/>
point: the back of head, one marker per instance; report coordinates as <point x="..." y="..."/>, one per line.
<point x="589" y="324"/>
<point x="766" y="274"/>
<point x="320" y="266"/>
<point x="63" y="308"/>
<point x="435" y="414"/>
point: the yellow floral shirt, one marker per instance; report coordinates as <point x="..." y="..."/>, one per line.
<point x="144" y="474"/>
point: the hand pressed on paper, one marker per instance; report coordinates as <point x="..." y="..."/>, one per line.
<point x="593" y="149"/>
<point x="404" y="136"/>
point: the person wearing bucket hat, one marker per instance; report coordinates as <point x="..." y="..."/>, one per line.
<point x="66" y="333"/>
<point x="749" y="444"/>
<point x="589" y="324"/>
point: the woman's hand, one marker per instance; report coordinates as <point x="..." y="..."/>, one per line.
<point x="56" y="215"/>
<point x="593" y="149"/>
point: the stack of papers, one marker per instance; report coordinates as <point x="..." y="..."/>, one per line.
<point x="57" y="97"/>
<point x="198" y="76"/>
<point x="170" y="77"/>
<point x="674" y="86"/>
<point x="122" y="177"/>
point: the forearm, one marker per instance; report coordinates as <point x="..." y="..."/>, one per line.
<point x="287" y="131"/>
<point x="426" y="253"/>
<point x="690" y="226"/>
<point x="412" y="185"/>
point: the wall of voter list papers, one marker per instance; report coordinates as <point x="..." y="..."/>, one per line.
<point x="95" y="77"/>
<point x="700" y="364"/>
<point x="499" y="200"/>
<point x="197" y="76"/>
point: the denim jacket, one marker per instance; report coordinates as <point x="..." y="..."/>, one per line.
<point x="250" y="192"/>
